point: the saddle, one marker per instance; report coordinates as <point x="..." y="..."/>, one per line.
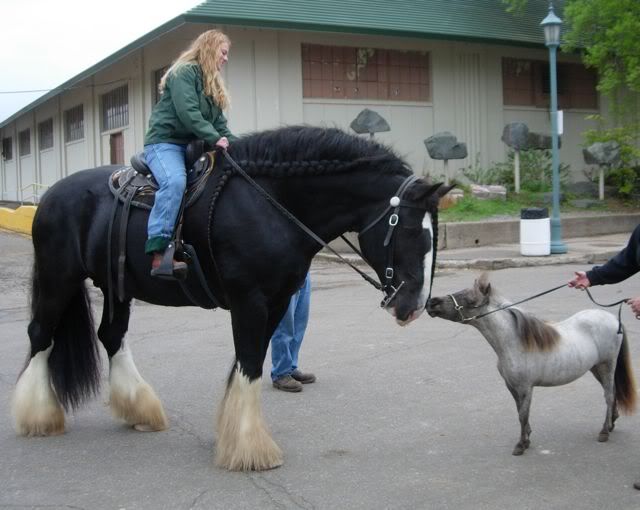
<point x="135" y="186"/>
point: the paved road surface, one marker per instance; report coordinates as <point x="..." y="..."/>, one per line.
<point x="414" y="417"/>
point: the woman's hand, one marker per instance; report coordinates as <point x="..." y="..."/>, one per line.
<point x="634" y="303"/>
<point x="223" y="143"/>
<point x="580" y="281"/>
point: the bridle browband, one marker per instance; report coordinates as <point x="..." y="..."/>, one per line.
<point x="395" y="203"/>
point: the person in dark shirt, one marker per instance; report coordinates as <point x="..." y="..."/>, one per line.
<point x="619" y="268"/>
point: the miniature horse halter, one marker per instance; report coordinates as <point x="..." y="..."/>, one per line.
<point x="395" y="203"/>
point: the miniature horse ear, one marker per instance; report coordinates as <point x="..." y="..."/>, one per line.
<point x="483" y="285"/>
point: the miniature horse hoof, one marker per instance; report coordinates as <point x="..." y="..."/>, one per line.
<point x="603" y="437"/>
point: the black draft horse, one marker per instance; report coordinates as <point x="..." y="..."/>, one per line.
<point x="252" y="256"/>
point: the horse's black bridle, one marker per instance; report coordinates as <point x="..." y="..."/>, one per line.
<point x="395" y="203"/>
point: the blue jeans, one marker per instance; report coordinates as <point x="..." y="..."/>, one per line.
<point x="287" y="338"/>
<point x="166" y="161"/>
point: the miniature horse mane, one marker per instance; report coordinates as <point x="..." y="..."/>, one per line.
<point x="535" y="334"/>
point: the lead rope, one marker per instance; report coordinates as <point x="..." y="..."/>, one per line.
<point x="617" y="303"/>
<point x="459" y="308"/>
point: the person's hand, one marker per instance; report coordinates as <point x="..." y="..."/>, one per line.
<point x="580" y="281"/>
<point x="223" y="143"/>
<point x="634" y="303"/>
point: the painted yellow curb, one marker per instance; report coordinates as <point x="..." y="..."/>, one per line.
<point x="19" y="220"/>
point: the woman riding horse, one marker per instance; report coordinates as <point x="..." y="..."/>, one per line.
<point x="253" y="258"/>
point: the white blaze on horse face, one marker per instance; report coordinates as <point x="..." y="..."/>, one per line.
<point x="427" y="224"/>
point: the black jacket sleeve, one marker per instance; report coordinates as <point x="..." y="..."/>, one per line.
<point x="622" y="266"/>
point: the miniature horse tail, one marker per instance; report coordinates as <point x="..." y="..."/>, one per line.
<point x="625" y="383"/>
<point x="74" y="362"/>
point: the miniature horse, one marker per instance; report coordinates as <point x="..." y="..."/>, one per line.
<point x="533" y="353"/>
<point x="253" y="258"/>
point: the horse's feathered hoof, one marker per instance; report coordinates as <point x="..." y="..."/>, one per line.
<point x="518" y="450"/>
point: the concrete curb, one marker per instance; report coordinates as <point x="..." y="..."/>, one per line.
<point x="18" y="220"/>
<point x="492" y="264"/>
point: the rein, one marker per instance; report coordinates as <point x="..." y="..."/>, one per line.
<point x="459" y="308"/>
<point x="395" y="201"/>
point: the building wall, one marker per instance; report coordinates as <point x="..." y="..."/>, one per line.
<point x="264" y="76"/>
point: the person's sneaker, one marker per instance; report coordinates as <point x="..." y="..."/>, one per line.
<point x="302" y="377"/>
<point x="287" y="383"/>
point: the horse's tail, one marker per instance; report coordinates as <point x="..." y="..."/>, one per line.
<point x="74" y="362"/>
<point x="625" y="383"/>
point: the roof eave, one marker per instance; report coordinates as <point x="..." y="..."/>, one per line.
<point x="318" y="27"/>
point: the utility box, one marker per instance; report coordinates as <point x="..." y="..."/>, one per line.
<point x="535" y="232"/>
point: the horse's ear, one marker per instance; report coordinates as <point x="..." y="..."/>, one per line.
<point x="442" y="190"/>
<point x="483" y="285"/>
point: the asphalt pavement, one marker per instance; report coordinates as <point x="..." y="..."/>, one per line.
<point x="403" y="418"/>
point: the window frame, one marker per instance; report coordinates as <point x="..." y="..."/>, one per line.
<point x="114" y="109"/>
<point x="74" y="115"/>
<point x="24" y="142"/>
<point x="359" y="73"/>
<point x="7" y="146"/>
<point x="45" y="137"/>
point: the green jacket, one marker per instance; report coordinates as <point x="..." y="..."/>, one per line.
<point x="184" y="113"/>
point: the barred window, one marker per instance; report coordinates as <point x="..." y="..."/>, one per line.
<point x="24" y="142"/>
<point x="115" y="108"/>
<point x="157" y="76"/>
<point x="74" y="124"/>
<point x="526" y="83"/>
<point x="7" y="148"/>
<point x="45" y="134"/>
<point x="365" y="73"/>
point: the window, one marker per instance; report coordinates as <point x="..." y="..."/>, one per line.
<point x="74" y="124"/>
<point x="526" y="83"/>
<point x="24" y="142"/>
<point x="365" y="73"/>
<point x="45" y="135"/>
<point x="7" y="149"/>
<point x="157" y="76"/>
<point x="115" y="108"/>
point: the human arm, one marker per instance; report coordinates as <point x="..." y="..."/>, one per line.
<point x="186" y="102"/>
<point x="634" y="303"/>
<point x="620" y="267"/>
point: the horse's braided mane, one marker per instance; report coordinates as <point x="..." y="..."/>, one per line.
<point x="535" y="335"/>
<point x="309" y="151"/>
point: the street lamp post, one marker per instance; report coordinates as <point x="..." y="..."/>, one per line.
<point x="551" y="25"/>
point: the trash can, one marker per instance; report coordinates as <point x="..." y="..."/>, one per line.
<point x="535" y="231"/>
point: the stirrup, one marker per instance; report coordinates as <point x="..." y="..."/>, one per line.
<point x="168" y="270"/>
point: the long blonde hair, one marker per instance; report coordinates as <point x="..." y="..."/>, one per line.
<point x="205" y="51"/>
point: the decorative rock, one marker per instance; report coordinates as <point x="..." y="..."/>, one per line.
<point x="370" y="122"/>
<point x="516" y="135"/>
<point x="445" y="146"/>
<point x="602" y="153"/>
<point x="488" y="192"/>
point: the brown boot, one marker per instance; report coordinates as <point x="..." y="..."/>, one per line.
<point x="287" y="383"/>
<point x="303" y="378"/>
<point x="179" y="268"/>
